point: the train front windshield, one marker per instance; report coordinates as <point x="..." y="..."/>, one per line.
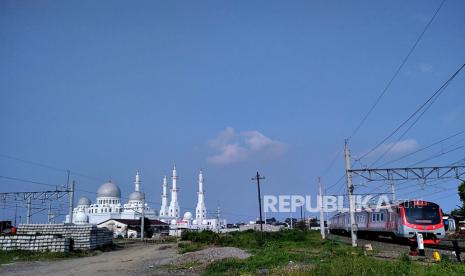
<point x="428" y="214"/>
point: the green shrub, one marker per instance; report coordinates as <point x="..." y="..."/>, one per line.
<point x="208" y="237"/>
<point x="184" y="247"/>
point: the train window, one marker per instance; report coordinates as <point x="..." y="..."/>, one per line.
<point x="423" y="215"/>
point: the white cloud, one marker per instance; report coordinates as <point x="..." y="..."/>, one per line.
<point x="454" y="115"/>
<point x="396" y="149"/>
<point x="231" y="147"/>
<point x="418" y="69"/>
<point x="425" y="67"/>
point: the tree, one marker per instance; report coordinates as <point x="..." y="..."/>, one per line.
<point x="462" y="193"/>
<point x="460" y="211"/>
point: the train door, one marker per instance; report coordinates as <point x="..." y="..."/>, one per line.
<point x="388" y="220"/>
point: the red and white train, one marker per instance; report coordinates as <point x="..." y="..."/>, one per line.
<point x="398" y="220"/>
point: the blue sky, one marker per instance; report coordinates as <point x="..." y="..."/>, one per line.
<point x="105" y="88"/>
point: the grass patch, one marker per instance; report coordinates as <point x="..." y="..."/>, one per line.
<point x="299" y="252"/>
<point x="21" y="255"/>
<point x="184" y="247"/>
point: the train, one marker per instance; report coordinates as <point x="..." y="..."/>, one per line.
<point x="398" y="220"/>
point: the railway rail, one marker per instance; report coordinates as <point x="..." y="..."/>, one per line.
<point x="449" y="245"/>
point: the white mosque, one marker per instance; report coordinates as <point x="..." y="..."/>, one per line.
<point x="108" y="206"/>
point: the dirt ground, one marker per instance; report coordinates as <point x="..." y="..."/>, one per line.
<point x="136" y="259"/>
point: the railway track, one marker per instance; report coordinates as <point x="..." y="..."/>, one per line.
<point x="446" y="246"/>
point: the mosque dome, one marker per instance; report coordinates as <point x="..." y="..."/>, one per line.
<point x="109" y="189"/>
<point x="136" y="196"/>
<point x="187" y="216"/>
<point x="84" y="201"/>
<point x="81" y="218"/>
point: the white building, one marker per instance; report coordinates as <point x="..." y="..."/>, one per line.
<point x="201" y="222"/>
<point x="108" y="205"/>
<point x="130" y="228"/>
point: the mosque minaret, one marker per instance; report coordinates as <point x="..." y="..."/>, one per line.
<point x="137" y="182"/>
<point x="200" y="210"/>
<point x="164" y="199"/>
<point x="173" y="210"/>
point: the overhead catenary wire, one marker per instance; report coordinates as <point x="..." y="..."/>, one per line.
<point x="424" y="148"/>
<point x="438" y="155"/>
<point x="396" y="73"/>
<point x="39" y="164"/>
<point x="28" y="181"/>
<point x="337" y="182"/>
<point x="409" y="128"/>
<point x="419" y="109"/>
<point x="389" y="83"/>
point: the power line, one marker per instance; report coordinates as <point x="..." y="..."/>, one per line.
<point x="408" y="129"/>
<point x="424" y="148"/>
<point x="438" y="155"/>
<point x="404" y="61"/>
<point x="48" y="166"/>
<point x="337" y="182"/>
<point x="438" y="92"/>
<point x="331" y="164"/>
<point x="32" y="162"/>
<point x="27" y="181"/>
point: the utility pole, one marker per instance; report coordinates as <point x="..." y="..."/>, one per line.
<point x="71" y="202"/>
<point x="49" y="215"/>
<point x="218" y="226"/>
<point x="142" y="226"/>
<point x="393" y="190"/>
<point x="350" y="190"/>
<point x="29" y="207"/>
<point x="16" y="213"/>
<point x="291" y="221"/>
<point x="258" y="177"/>
<point x="322" y="219"/>
<point x="68" y="172"/>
